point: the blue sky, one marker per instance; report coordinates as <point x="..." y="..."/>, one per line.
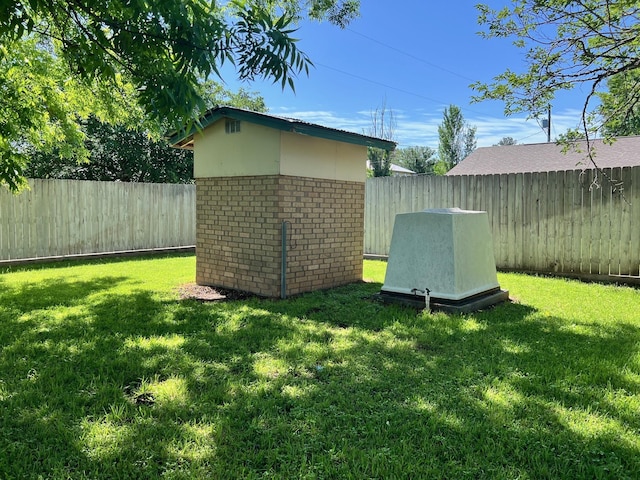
<point x="419" y="56"/>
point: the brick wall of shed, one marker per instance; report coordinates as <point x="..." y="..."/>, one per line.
<point x="327" y="232"/>
<point x="238" y="233"/>
<point x="238" y="239"/>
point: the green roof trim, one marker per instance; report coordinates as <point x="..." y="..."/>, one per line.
<point x="185" y="138"/>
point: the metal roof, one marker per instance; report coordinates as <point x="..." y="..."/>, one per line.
<point x="184" y="138"/>
<point x="549" y="157"/>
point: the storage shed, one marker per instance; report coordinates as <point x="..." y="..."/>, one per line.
<point x="280" y="202"/>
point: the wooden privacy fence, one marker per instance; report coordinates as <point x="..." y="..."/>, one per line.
<point x="544" y="222"/>
<point x="72" y="217"/>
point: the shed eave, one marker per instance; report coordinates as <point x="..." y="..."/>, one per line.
<point x="184" y="139"/>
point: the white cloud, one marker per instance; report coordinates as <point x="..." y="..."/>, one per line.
<point x="420" y="128"/>
<point x="357" y="122"/>
<point x="492" y="130"/>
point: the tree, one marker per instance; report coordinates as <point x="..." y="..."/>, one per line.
<point x="457" y="138"/>
<point x="125" y="153"/>
<point x="116" y="153"/>
<point x="568" y="43"/>
<point x="620" y="105"/>
<point x="216" y="95"/>
<point x="417" y="159"/>
<point x="150" y="54"/>
<point x="41" y="105"/>
<point x="383" y="125"/>
<point x="506" y="141"/>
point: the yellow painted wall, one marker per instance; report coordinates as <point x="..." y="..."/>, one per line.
<point x="258" y="150"/>
<point x="305" y="156"/>
<point x="255" y="150"/>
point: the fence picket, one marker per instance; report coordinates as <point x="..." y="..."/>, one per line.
<point x="493" y="210"/>
<point x="516" y="220"/>
<point x="566" y="223"/>
<point x="12" y="222"/>
<point x="616" y="211"/>
<point x="634" y="222"/>
<point x="625" y="221"/>
<point x="595" y="199"/>
<point x="456" y="191"/>
<point x="575" y="257"/>
<point x="606" y="225"/>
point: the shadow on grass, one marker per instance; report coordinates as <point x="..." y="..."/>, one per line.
<point x="325" y="385"/>
<point x="70" y="262"/>
<point x="53" y="292"/>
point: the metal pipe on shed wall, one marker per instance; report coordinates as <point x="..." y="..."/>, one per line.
<point x="283" y="271"/>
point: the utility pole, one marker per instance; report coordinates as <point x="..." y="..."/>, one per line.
<point x="546" y="123"/>
<point x="549" y="125"/>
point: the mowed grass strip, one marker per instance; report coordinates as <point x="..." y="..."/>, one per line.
<point x="106" y="373"/>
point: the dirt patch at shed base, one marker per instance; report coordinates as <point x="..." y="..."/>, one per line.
<point x="204" y="293"/>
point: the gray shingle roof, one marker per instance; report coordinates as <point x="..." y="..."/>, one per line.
<point x="548" y="157"/>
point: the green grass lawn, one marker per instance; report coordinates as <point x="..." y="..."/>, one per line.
<point x="105" y="373"/>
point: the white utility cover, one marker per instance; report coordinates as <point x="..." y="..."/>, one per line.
<point x="449" y="251"/>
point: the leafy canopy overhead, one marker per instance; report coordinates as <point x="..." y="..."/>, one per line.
<point x="166" y="47"/>
<point x="42" y="105"/>
<point x="568" y="43"/>
<point x="63" y="60"/>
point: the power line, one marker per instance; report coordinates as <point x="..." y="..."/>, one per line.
<point x="410" y="55"/>
<point x="391" y="87"/>
<point x="528" y="136"/>
<point x="418" y="95"/>
<point x="408" y="92"/>
<point x="375" y="82"/>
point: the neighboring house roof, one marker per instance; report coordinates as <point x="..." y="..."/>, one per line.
<point x="548" y="157"/>
<point x="396" y="169"/>
<point x="184" y="139"/>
